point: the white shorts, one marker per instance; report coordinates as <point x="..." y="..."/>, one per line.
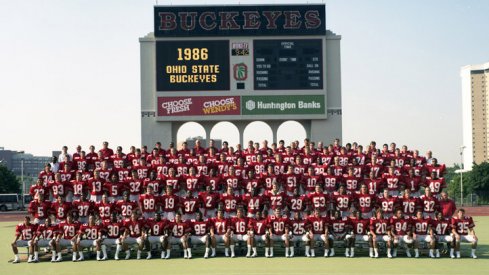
<point x="219" y="238"/>
<point x="260" y="238"/>
<point x="467" y="239"/>
<point x="362" y="238"/>
<point x="298" y="238"/>
<point x="44" y="242"/>
<point x="276" y="238"/>
<point x="65" y="243"/>
<point x="110" y="242"/>
<point x="88" y="243"/>
<point x="176" y="240"/>
<point x="444" y="238"/>
<point x="337" y="237"/>
<point x="240" y="237"/>
<point x="156" y="239"/>
<point x="382" y="238"/>
<point x="423" y="238"/>
<point x="198" y="239"/>
<point x="130" y="240"/>
<point x="22" y="243"/>
<point x="400" y="239"/>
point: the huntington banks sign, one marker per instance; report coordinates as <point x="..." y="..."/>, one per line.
<point x="233" y="107"/>
<point x="283" y="105"/>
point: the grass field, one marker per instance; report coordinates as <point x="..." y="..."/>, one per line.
<point x="277" y="265"/>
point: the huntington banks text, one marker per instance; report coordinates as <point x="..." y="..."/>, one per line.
<point x="192" y="74"/>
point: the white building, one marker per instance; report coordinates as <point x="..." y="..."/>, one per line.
<point x="475" y="99"/>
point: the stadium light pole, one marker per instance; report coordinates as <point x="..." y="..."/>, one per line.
<point x="462" y="148"/>
<point x="22" y="180"/>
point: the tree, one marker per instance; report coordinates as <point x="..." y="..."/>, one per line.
<point x="479" y="180"/>
<point x="8" y="181"/>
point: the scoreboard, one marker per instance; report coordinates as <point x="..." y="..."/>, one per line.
<point x="190" y="65"/>
<point x="240" y="61"/>
<point x="288" y="64"/>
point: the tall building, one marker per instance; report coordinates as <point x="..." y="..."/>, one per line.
<point x="475" y="101"/>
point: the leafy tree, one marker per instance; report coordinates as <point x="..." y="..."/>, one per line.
<point x="8" y="181"/>
<point x="479" y="180"/>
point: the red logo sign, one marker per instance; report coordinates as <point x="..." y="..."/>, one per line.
<point x="199" y="106"/>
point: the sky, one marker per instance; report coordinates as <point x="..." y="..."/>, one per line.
<point x="70" y="72"/>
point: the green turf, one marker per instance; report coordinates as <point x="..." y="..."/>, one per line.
<point x="277" y="265"/>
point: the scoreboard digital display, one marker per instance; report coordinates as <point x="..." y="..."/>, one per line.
<point x="192" y="65"/>
<point x="292" y="64"/>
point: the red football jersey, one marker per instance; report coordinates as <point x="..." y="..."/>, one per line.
<point x="25" y="232"/>
<point x="278" y="224"/>
<point x="462" y="226"/>
<point x="200" y="228"/>
<point x="220" y="225"/>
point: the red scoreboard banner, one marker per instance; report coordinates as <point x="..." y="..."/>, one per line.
<point x="199" y="106"/>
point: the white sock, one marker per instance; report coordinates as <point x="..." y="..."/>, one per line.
<point x="271" y="251"/>
<point x="254" y="250"/>
<point x="213" y="249"/>
<point x="98" y="254"/>
<point x="53" y="257"/>
<point x="347" y="251"/>
<point x="226" y="251"/>
<point x="36" y="255"/>
<point x="16" y="257"/>
<point x="308" y="248"/>
<point x="185" y="253"/>
<point x="352" y="251"/>
<point x="232" y="248"/>
<point x="162" y="254"/>
<point x="138" y="255"/>
<point x="266" y="251"/>
<point x="286" y="251"/>
<point x="248" y="252"/>
<point x="291" y="251"/>
<point x="312" y="252"/>
<point x="189" y="252"/>
<point x="81" y="255"/>
<point x="104" y="251"/>
<point x="74" y="256"/>
<point x="207" y="251"/>
<point x="168" y="253"/>
<point x="473" y="251"/>
<point x="59" y="255"/>
<point x="118" y="249"/>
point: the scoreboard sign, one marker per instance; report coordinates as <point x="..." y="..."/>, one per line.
<point x="240" y="62"/>
<point x="191" y="21"/>
<point x="192" y="65"/>
<point x="288" y="64"/>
